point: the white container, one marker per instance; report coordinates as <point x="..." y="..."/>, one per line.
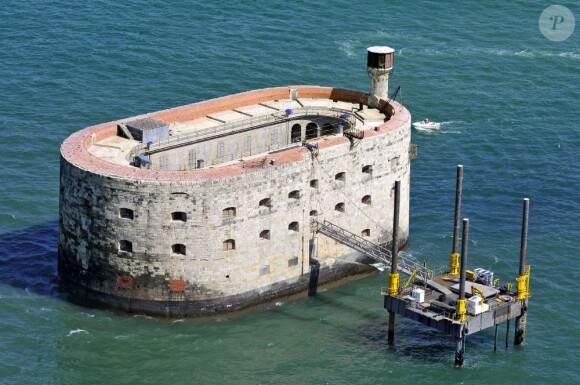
<point x="418" y="295"/>
<point x="475" y="305"/>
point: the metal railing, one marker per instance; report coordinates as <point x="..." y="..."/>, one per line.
<point x="224" y="159"/>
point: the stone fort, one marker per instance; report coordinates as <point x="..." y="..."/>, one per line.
<point x="207" y="208"/>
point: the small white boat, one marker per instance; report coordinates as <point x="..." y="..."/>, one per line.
<point x="426" y="125"/>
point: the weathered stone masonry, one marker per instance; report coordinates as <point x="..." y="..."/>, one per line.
<point x="207" y="260"/>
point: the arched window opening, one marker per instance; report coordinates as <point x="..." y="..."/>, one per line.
<point x="293" y="262"/>
<point x="311" y="131"/>
<point x="365" y="233"/>
<point x="229" y="212"/>
<point x="366" y="200"/>
<point x="294" y="194"/>
<point x="266" y="202"/>
<point x="294" y="226"/>
<point x="368" y="169"/>
<point x="179" y="216"/>
<point x="341" y="176"/>
<point x="178" y="248"/>
<point x="339" y="207"/>
<point x="229" y="244"/>
<point x="314" y="183"/>
<point x="313" y="213"/>
<point x="125" y="213"/>
<point x="125" y="246"/>
<point x="265" y="234"/>
<point x="296" y="133"/>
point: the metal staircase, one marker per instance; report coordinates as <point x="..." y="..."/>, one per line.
<point x="379" y="253"/>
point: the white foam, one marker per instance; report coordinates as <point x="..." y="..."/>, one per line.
<point x="527" y="53"/>
<point x="347" y="48"/>
<point x="77" y="331"/>
<point x="452" y="122"/>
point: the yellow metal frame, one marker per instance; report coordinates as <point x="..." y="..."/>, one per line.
<point x="454" y="264"/>
<point x="470" y="275"/>
<point x="393" y="284"/>
<point x="461" y="310"/>
<point x="411" y="277"/>
<point x="524" y="284"/>
<point x="475" y="290"/>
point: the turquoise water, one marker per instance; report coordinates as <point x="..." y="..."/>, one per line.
<point x="508" y="99"/>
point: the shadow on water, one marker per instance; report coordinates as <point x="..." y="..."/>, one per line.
<point x="415" y="341"/>
<point x="28" y="259"/>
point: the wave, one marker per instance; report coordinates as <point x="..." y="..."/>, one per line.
<point x="347" y="48"/>
<point x="359" y="41"/>
<point x="489" y="52"/>
<point x="75" y="331"/>
<point x="449" y="122"/>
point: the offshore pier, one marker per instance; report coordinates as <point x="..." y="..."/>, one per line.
<point x="459" y="302"/>
<point x="456" y="301"/>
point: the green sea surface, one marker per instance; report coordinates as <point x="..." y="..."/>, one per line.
<point x="508" y="99"/>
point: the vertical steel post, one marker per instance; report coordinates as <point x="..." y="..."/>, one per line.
<point x="495" y="339"/>
<point x="507" y="335"/>
<point x="464" y="243"/>
<point x="459" y="352"/>
<point x="461" y="302"/>
<point x="394" y="275"/>
<point x="523" y="278"/>
<point x="454" y="257"/>
<point x="314" y="267"/>
<point x="524" y="240"/>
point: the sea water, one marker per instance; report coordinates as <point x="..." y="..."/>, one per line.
<point x="507" y="98"/>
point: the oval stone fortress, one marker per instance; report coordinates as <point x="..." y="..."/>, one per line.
<point x="207" y="208"/>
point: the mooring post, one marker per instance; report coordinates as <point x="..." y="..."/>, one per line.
<point x="495" y="339"/>
<point x="314" y="266"/>
<point x="394" y="275"/>
<point x="454" y="258"/>
<point x="461" y="302"/>
<point x="523" y="277"/>
<point x="507" y="335"/>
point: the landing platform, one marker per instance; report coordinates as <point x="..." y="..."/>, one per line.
<point x="437" y="309"/>
<point x="433" y="315"/>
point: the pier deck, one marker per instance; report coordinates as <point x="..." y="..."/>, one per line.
<point x="438" y="310"/>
